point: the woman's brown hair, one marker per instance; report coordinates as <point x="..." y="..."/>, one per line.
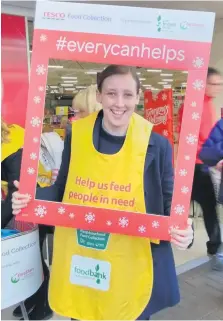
<point x="118" y="70"/>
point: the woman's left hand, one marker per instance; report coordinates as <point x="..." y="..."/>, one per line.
<point x="183" y="238"/>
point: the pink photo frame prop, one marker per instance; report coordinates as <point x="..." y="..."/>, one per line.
<point x="111" y="35"/>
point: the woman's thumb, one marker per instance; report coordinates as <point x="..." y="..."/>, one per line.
<point x="16" y="184"/>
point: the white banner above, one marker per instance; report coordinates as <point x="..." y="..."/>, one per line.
<point x="132" y="21"/>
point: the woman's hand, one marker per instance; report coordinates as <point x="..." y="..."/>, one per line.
<point x="19" y="201"/>
<point x="219" y="166"/>
<point x="183" y="238"/>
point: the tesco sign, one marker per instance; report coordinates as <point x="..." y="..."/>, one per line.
<point x="54" y="15"/>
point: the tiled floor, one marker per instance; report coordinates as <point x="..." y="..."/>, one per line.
<point x="185" y="260"/>
<point x="201" y="296"/>
<point x="198" y="250"/>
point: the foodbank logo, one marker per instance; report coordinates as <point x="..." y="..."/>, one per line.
<point x="184" y="25"/>
<point x="165" y="24"/>
<point x="95" y="274"/>
<point x="159" y="23"/>
<point x="15" y="278"/>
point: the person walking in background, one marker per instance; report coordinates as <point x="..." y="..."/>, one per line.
<point x="212" y="155"/>
<point x="203" y="191"/>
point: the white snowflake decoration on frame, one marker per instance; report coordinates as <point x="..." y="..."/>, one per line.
<point x="35" y="122"/>
<point x="195" y="116"/>
<point x="41" y="88"/>
<point x="61" y="210"/>
<point x="173" y="227"/>
<point x="198" y="62"/>
<point x="33" y="156"/>
<point x="193" y="104"/>
<point x="123" y="222"/>
<point x="40" y="70"/>
<point x="109" y="223"/>
<point x="71" y="215"/>
<point x="90" y="217"/>
<point x="35" y="139"/>
<point x="142" y="229"/>
<point x="40" y="211"/>
<point x="164" y="97"/>
<point x="179" y="209"/>
<point x="191" y="139"/>
<point x="198" y="84"/>
<point x="37" y="99"/>
<point x="183" y="172"/>
<point x="184" y="189"/>
<point x="29" y="196"/>
<point x="30" y="170"/>
<point x="165" y="132"/>
<point x="155" y="224"/>
<point x="43" y="38"/>
<point x="187" y="157"/>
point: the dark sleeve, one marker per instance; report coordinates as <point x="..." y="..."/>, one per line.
<point x="55" y="192"/>
<point x="11" y="171"/>
<point x="167" y="178"/>
<point x="212" y="150"/>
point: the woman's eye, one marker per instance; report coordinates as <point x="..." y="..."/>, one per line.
<point x="128" y="95"/>
<point x="111" y="94"/>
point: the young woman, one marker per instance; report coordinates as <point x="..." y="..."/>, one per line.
<point x="129" y="278"/>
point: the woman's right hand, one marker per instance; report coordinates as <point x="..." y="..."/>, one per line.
<point x="19" y="201"/>
<point x="219" y="166"/>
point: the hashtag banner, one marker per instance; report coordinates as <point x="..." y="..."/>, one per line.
<point x="111" y="38"/>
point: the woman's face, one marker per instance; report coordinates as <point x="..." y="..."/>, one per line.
<point x="118" y="98"/>
<point x="214" y="85"/>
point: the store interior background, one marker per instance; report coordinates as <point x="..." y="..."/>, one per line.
<point x="85" y="74"/>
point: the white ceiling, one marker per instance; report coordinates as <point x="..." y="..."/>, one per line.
<point x="80" y="71"/>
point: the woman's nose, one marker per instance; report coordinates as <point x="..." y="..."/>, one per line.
<point x="120" y="101"/>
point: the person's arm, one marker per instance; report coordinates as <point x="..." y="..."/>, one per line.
<point x="212" y="151"/>
<point x="167" y="178"/>
<point x="11" y="168"/>
<point x="55" y="192"/>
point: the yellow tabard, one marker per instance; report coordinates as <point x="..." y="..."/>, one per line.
<point x="44" y="177"/>
<point x="97" y="276"/>
<point x="16" y="141"/>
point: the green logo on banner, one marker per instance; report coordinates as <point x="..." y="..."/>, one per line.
<point x="159" y="22"/>
<point x="93" y="240"/>
<point x="15" y="279"/>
